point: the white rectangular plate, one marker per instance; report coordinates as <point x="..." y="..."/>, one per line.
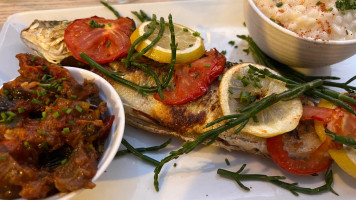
<point x="194" y="177"/>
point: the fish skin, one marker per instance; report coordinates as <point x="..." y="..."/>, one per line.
<point x="46" y="38"/>
<point x="186" y="121"/>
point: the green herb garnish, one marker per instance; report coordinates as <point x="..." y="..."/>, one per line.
<point x="276" y="180"/>
<point x="94" y="24"/>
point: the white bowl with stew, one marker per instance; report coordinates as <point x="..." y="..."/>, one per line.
<point x="114" y="107"/>
<point x="288" y="47"/>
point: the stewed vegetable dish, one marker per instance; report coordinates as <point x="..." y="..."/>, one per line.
<point x="52" y="133"/>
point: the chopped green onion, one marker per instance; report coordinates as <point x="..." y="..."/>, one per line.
<point x="48" y="101"/>
<point x="185" y="29"/>
<point x="91" y="147"/>
<point x="44" y="115"/>
<point x="66" y="130"/>
<point x="26" y="144"/>
<point x="41" y="132"/>
<point x="232" y="43"/>
<point x="175" y="165"/>
<point x="245" y="98"/>
<point x="33" y="59"/>
<point x="196" y="34"/>
<point x="11" y="114"/>
<point x="71" y="122"/>
<point x="227" y="162"/>
<point x="56" y="114"/>
<point x="20" y="110"/>
<point x="279" y="4"/>
<point x="5" y="92"/>
<point x="64" y="161"/>
<point x="196" y="75"/>
<point x="245" y="81"/>
<point x="207" y="65"/>
<point x="108" y="44"/>
<point x="73" y="96"/>
<point x="3" y="158"/>
<point x="36" y="101"/>
<point x="100" y="148"/>
<point x="79" y="109"/>
<point x="223" y="52"/>
<point x="68" y="111"/>
<point x="44" y="68"/>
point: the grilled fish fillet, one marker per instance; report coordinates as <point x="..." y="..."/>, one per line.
<point x="186" y="121"/>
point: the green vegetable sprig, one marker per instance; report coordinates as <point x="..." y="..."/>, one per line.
<point x="141" y="15"/>
<point x="111" y="9"/>
<point x="276" y="180"/>
<point x="145" y="149"/>
<point x="349" y="141"/>
<point x="233" y="121"/>
<point x="130" y="60"/>
<point x="293" y="78"/>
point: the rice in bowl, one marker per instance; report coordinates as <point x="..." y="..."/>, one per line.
<point x="319" y="20"/>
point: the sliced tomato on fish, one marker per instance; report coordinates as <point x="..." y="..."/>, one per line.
<point x="101" y="39"/>
<point x="318" y="161"/>
<point x="344" y="124"/>
<point x="192" y="80"/>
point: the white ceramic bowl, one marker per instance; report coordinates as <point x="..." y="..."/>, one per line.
<point x="287" y="47"/>
<point x="107" y="93"/>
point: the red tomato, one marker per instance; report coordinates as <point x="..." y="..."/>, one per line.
<point x="192" y="80"/>
<point x="336" y="119"/>
<point x="102" y="44"/>
<point x="317" y="113"/>
<point x="318" y="162"/>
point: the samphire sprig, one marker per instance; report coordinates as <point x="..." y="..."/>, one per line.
<point x="276" y="180"/>
<point x="233" y="121"/>
<point x="130" y="60"/>
<point x="293" y="77"/>
<point x="145" y="149"/>
<point x="111" y="9"/>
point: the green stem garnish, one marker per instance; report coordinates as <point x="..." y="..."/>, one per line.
<point x="144" y="68"/>
<point x="111" y="9"/>
<point x="112" y="75"/>
<point x="276" y="180"/>
<point x="145" y="149"/>
<point x="173" y="44"/>
<point x="139" y="154"/>
<point x="348" y="141"/>
<point x="147" y="34"/>
<point x="153" y="43"/>
<point x="142" y="16"/>
<point x="291" y="76"/>
<point x="234" y="120"/>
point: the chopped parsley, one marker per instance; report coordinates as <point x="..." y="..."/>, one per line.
<point x="95" y="24"/>
<point x="279" y="4"/>
<point x="345" y="5"/>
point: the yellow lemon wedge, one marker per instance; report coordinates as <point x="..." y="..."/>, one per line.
<point x="275" y="120"/>
<point x="344" y="157"/>
<point x="190" y="44"/>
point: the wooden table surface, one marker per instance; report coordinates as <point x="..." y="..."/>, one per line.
<point x="9" y="7"/>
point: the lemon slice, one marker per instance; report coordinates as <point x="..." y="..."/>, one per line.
<point x="277" y="119"/>
<point x="190" y="44"/>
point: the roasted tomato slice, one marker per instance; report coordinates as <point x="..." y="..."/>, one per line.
<point x="101" y="39"/>
<point x="319" y="160"/>
<point x="193" y="79"/>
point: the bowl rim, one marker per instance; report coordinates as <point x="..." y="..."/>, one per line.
<point x="293" y="34"/>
